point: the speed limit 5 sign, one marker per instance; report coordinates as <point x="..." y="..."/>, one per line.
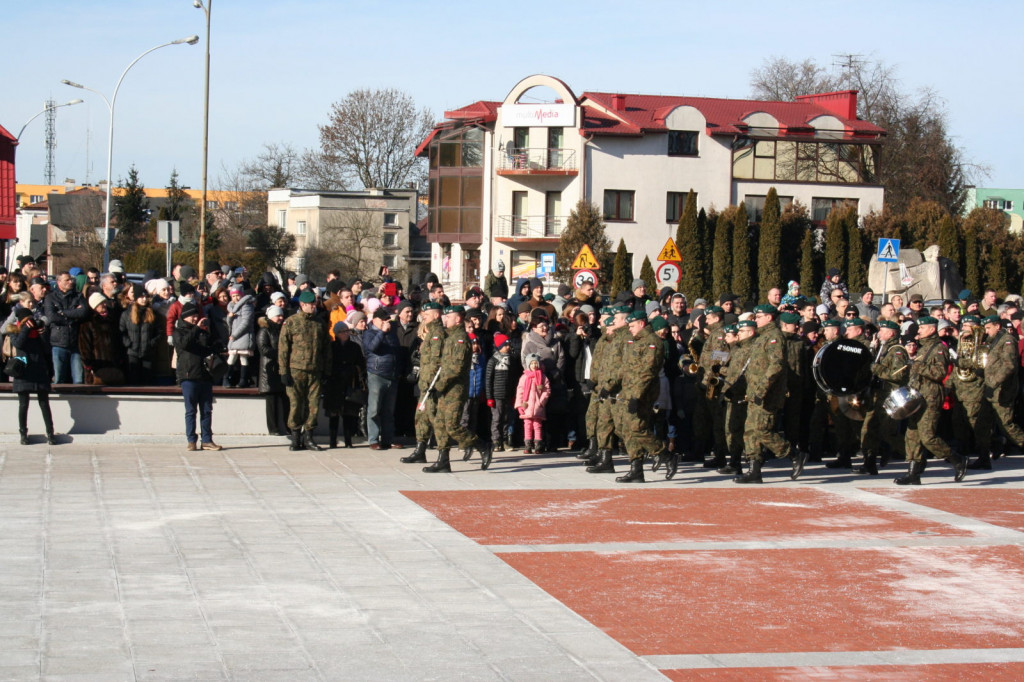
<point x="668" y="273"/>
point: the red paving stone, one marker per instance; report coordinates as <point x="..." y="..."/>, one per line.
<point x="515" y="517"/>
<point x="965" y="672"/>
<point x="998" y="506"/>
<point x="791" y="600"/>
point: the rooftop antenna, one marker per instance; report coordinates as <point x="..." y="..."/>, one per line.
<point x="848" y="63"/>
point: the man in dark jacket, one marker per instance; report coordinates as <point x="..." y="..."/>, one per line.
<point x="380" y="344"/>
<point x="65" y="309"/>
<point x="192" y="341"/>
<point x="406" y="329"/>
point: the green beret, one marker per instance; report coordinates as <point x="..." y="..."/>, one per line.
<point x="731" y="329"/>
<point x="455" y="309"/>
<point x="888" y="324"/>
<point x="927" y="320"/>
<point x="609" y="322"/>
<point x="430" y="305"/>
<point x="607" y="311"/>
<point x="831" y="322"/>
<point x="714" y="310"/>
<point x="622" y="310"/>
<point x="744" y="324"/>
<point x="307" y="296"/>
<point x="789" y="318"/>
<point x="766" y="309"/>
<point x="970" y="319"/>
<point x="549" y="297"/>
<point x="992" y="319"/>
<point x="853" y="322"/>
<point x="659" y="323"/>
<point x="637" y="316"/>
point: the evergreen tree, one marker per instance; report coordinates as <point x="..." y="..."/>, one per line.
<point x="835" y="241"/>
<point x="856" y="269"/>
<point x="742" y="284"/>
<point x="769" y="249"/>
<point x="622" y="271"/>
<point x="688" y="239"/>
<point x="949" y="240"/>
<point x="129" y="214"/>
<point x="795" y="225"/>
<point x="972" y="260"/>
<point x="647" y="275"/>
<point x="995" y="273"/>
<point x="584" y="226"/>
<point x="808" y="277"/>
<point x="722" y="269"/>
<point x="705" y="237"/>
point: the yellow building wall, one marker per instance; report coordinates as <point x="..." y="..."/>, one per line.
<point x="25" y="192"/>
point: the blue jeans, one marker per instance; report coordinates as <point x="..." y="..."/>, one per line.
<point x="198" y="395"/>
<point x="380" y="408"/>
<point x="67" y="366"/>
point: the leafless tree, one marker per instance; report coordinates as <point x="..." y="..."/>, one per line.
<point x="370" y="139"/>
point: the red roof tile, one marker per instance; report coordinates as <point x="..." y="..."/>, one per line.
<point x="487" y="111"/>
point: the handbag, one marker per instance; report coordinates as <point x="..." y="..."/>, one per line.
<point x="356" y="395"/>
<point x="15" y="367"/>
<point x="217" y="367"/>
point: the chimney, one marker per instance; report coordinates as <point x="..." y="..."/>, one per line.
<point x="842" y="103"/>
<point x="69" y="184"/>
<point x="619" y="102"/>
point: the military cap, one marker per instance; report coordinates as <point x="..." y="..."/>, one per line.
<point x="458" y="309"/>
<point x="810" y="327"/>
<point x="637" y="316"/>
<point x="430" y="305"/>
<point x="659" y="323"/>
<point x="746" y="324"/>
<point x="766" y="309"/>
<point x="549" y="297"/>
<point x="970" y="319"/>
<point x="888" y="324"/>
<point x="609" y="322"/>
<point x="607" y="311"/>
<point x="307" y="296"/>
<point x="714" y="310"/>
<point x="853" y="322"/>
<point x="927" y="320"/>
<point x="622" y="310"/>
<point x="992" y="319"/>
<point x="789" y="318"/>
<point x="831" y="322"/>
<point x="731" y="329"/>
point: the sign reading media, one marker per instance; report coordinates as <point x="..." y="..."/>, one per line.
<point x="538" y="115"/>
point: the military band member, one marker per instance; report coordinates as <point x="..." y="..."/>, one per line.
<point x="608" y="389"/>
<point x="817" y="436"/>
<point x="597" y="362"/>
<point x="890" y="371"/>
<point x="927" y="374"/>
<point x="848" y="430"/>
<point x="430" y="362"/>
<point x="709" y="418"/>
<point x="734" y="392"/>
<point x="789" y="324"/>
<point x="1000" y="391"/>
<point x="643" y="355"/>
<point x="969" y="388"/>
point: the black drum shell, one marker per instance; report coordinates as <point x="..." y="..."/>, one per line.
<point x="842" y="367"/>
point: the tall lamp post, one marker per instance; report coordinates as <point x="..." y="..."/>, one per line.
<point x="45" y="109"/>
<point x="207" y="8"/>
<point x="191" y="40"/>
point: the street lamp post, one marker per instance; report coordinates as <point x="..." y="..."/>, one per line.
<point x="207" y="8"/>
<point x="45" y="109"/>
<point x="191" y="40"/>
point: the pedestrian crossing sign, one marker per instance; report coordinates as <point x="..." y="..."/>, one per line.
<point x="670" y="252"/>
<point x="888" y="250"/>
<point x="585" y="260"/>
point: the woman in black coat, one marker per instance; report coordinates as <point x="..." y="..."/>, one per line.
<point x="347" y="380"/>
<point x="268" y="332"/>
<point x="29" y="345"/>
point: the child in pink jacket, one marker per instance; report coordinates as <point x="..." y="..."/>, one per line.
<point x="531" y="397"/>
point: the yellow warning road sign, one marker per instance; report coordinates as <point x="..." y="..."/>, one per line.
<point x="670" y="252"/>
<point x="585" y="260"/>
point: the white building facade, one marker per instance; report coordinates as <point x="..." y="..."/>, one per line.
<point x="504" y="176"/>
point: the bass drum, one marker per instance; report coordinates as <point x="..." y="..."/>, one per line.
<point x="842" y="368"/>
<point x="903" y="402"/>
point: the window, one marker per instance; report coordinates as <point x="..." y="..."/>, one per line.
<point x="389" y="260"/>
<point x="300" y="227"/>
<point x="1009" y="206"/>
<point x="390" y="239"/>
<point x="682" y="143"/>
<point x="231" y="205"/>
<point x="755" y="205"/>
<point x="391" y="220"/>
<point x="35" y="198"/>
<point x="675" y="202"/>
<point x="618" y="204"/>
<point x="1001" y="204"/>
<point x="282" y="218"/>
<point x="820" y="208"/>
<point x="212" y="205"/>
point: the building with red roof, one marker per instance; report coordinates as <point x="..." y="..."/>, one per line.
<point x="8" y="227"/>
<point x="504" y="176"/>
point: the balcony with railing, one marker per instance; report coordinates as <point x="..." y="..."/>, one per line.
<point x="537" y="161"/>
<point x="518" y="228"/>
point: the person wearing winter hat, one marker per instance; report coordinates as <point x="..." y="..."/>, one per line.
<point x="101" y="346"/>
<point x="193" y="343"/>
<point x="496" y="284"/>
<point x="537" y="300"/>
<point x="532" y="395"/>
<point x="498" y="389"/>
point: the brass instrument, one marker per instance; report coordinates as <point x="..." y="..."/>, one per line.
<point x="694" y="346"/>
<point x="971" y="355"/>
<point x="714" y="379"/>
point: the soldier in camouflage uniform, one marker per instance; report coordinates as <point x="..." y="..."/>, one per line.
<point x="608" y="388"/>
<point x="766" y="394"/>
<point x="643" y="356"/>
<point x="734" y="392"/>
<point x="303" y="356"/>
<point x="970" y="395"/>
<point x="848" y="430"/>
<point x="890" y="372"/>
<point x="452" y="389"/>
<point x="792" y="411"/>
<point x="430" y="362"/>
<point x="1000" y="392"/>
<point x="597" y="369"/>
<point x="927" y="373"/>
<point x="709" y="417"/>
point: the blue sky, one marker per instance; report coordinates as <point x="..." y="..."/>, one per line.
<point x="277" y="66"/>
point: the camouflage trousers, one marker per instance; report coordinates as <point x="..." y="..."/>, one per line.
<point x="991" y="414"/>
<point x="604" y="423"/>
<point x="735" y="421"/>
<point x="303" y="398"/>
<point x="591" y="419"/>
<point x="922" y="432"/>
<point x="636" y="429"/>
<point x="880" y="428"/>
<point x="759" y="431"/>
<point x="448" y="426"/>
<point x="426" y="418"/>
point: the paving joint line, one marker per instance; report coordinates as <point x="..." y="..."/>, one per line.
<point x="833" y="659"/>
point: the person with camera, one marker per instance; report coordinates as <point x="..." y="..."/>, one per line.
<point x="380" y="343"/>
<point x="33" y="374"/>
<point x="193" y="343"/>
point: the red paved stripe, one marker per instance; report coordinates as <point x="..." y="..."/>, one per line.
<point x="966" y="672"/>
<point x="998" y="506"/>
<point x="791" y="600"/>
<point x="512" y="517"/>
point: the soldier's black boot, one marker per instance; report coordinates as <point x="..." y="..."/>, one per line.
<point x="332" y="430"/>
<point x="484" y="448"/>
<point x="913" y="476"/>
<point x="870" y="466"/>
<point x="296" y="443"/>
<point x="442" y="463"/>
<point x="716" y="462"/>
<point x="734" y="466"/>
<point x="983" y="463"/>
<point x="418" y="455"/>
<point x="753" y="475"/>
<point x="24" y="436"/>
<point x="636" y="472"/>
<point x="671" y="465"/>
<point x="843" y="461"/>
<point x="799" y="458"/>
<point x="959" y="463"/>
<point x="308" y="442"/>
<point x="589" y="451"/>
<point x="604" y="463"/>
